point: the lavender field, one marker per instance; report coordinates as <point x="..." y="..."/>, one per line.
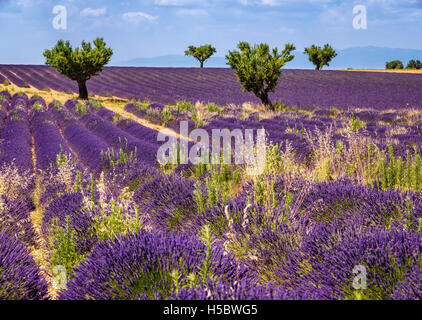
<point x="87" y="211"/>
<point x="306" y="88"/>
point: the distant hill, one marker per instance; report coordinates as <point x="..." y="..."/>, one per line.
<point x="174" y="61"/>
<point x="355" y="57"/>
<point x="373" y="57"/>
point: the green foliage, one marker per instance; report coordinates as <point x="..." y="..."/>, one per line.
<point x="5" y="82"/>
<point x="57" y="105"/>
<point x="15" y="116"/>
<point x="211" y="107"/>
<point x="45" y="89"/>
<point x="414" y="64"/>
<point x="333" y="112"/>
<point x="166" y="116"/>
<point x="184" y="106"/>
<point x="24" y="85"/>
<point x="142" y="106"/>
<point x="320" y="57"/>
<point x="63" y="246"/>
<point x="217" y="187"/>
<point x="395" y="64"/>
<point x="279" y="162"/>
<point x="257" y="69"/>
<point x="117" y="118"/>
<point x="199" y="197"/>
<point x="79" y="64"/>
<point x="408" y="215"/>
<point x="340" y="147"/>
<point x="92" y="187"/>
<point x="386" y="171"/>
<point x="38" y="106"/>
<point x="265" y="193"/>
<point x="61" y="158"/>
<point x="78" y="181"/>
<point x="295" y="130"/>
<point x="117" y="222"/>
<point x="2" y="97"/>
<point x="81" y="109"/>
<point x="96" y="104"/>
<point x="196" y="117"/>
<point x="355" y="123"/>
<point x="273" y="159"/>
<point x="201" y="53"/>
<point x="207" y="239"/>
<point x="123" y="156"/>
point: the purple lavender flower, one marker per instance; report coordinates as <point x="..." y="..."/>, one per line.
<point x="139" y="266"/>
<point x="20" y="277"/>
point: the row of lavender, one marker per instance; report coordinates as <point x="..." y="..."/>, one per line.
<point x="20" y="276"/>
<point x="300" y="241"/>
<point x="295" y="255"/>
<point x="310" y="88"/>
<point x="295" y="128"/>
<point x="296" y="249"/>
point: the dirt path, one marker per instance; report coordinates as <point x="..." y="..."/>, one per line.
<point x="127" y="115"/>
<point x="40" y="252"/>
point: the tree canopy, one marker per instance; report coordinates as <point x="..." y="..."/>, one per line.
<point x="320" y="56"/>
<point x="258" y="69"/>
<point x="201" y="53"/>
<point x="395" y="64"/>
<point x="414" y="64"/>
<point x="79" y="64"/>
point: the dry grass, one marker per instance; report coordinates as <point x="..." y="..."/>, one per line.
<point x="40" y="252"/>
<point x="113" y="103"/>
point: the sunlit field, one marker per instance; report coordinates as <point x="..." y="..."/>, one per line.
<point x="211" y="159"/>
<point x="83" y="195"/>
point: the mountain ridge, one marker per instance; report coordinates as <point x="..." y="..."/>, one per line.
<point x="361" y="57"/>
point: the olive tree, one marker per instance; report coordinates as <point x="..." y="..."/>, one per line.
<point x="79" y="64"/>
<point x="320" y="56"/>
<point x="414" y="64"/>
<point x="395" y="64"/>
<point x="202" y="53"/>
<point x="258" y="69"/>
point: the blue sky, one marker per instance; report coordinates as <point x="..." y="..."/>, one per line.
<point x="149" y="28"/>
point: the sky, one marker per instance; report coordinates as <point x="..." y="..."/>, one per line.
<point x="151" y="28"/>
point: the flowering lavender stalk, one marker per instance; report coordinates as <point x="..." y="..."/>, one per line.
<point x="140" y="266"/>
<point x="20" y="277"/>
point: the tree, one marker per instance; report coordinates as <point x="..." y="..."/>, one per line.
<point x="395" y="64"/>
<point x="79" y="64"/>
<point x="201" y="53"/>
<point x="257" y="69"/>
<point x="414" y="64"/>
<point x="320" y="56"/>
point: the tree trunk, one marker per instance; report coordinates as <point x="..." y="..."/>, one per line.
<point x="317" y="68"/>
<point x="266" y="101"/>
<point x="83" y="91"/>
<point x="202" y="64"/>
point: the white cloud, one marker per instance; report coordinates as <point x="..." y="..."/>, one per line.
<point x="88" y="12"/>
<point x="136" y="17"/>
<point x="192" y="12"/>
